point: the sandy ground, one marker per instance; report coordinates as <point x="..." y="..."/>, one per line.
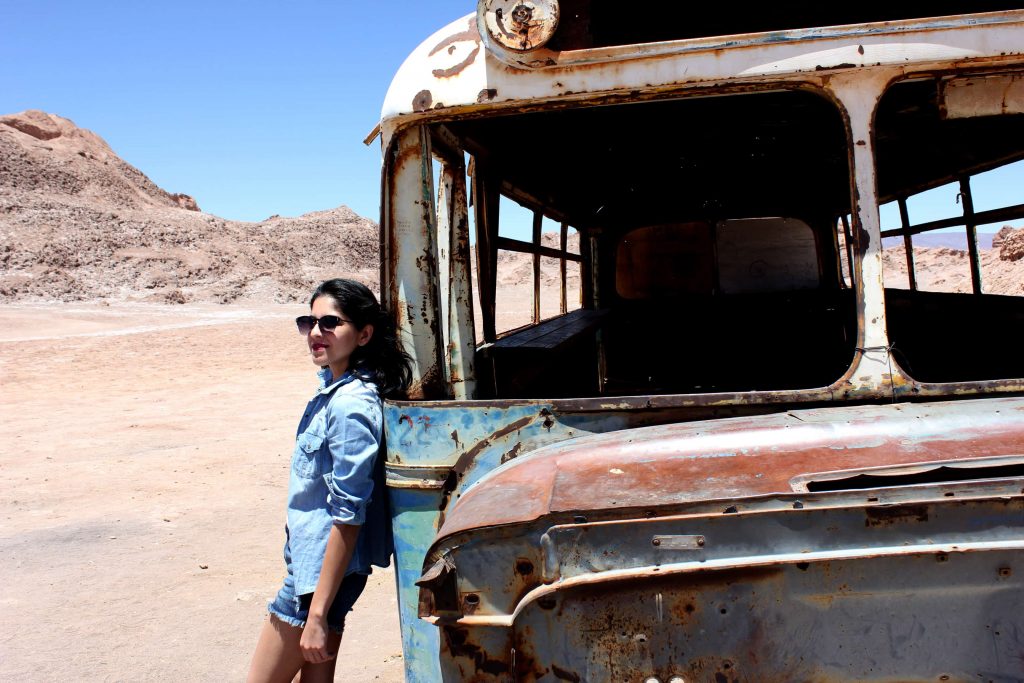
<point x="143" y="466"/>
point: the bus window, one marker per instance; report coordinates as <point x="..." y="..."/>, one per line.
<point x="936" y="151"/>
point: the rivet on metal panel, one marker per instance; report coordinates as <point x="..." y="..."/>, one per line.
<point x="579" y="519"/>
<point x="797" y="505"/>
<point x="656" y="541"/>
<point x="1005" y="571"/>
<point x="731" y="510"/>
<point x="652" y="679"/>
<point x="677" y="679"/>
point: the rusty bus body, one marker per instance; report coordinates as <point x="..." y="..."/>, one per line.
<point x="744" y="456"/>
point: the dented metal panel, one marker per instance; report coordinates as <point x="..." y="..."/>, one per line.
<point x="883" y="619"/>
<point x="734" y="458"/>
<point x="458" y="450"/>
<point x="606" y="600"/>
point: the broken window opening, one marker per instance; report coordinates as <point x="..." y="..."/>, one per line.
<point x="946" y="319"/>
<point x="737" y="280"/>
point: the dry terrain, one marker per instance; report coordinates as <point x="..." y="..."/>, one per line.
<point x="143" y="465"/>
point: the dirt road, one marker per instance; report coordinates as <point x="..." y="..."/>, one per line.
<point x="143" y="466"/>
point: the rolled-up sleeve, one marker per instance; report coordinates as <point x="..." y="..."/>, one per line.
<point x="353" y="437"/>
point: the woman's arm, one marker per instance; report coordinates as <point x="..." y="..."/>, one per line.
<point x="353" y="437"/>
<point x="340" y="544"/>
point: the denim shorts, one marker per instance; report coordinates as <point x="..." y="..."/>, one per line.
<point x="294" y="609"/>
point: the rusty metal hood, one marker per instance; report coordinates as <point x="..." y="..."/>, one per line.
<point x="876" y="543"/>
<point x="735" y="458"/>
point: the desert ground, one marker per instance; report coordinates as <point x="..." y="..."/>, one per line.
<point x="143" y="468"/>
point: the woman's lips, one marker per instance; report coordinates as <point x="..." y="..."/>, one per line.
<point x="317" y="347"/>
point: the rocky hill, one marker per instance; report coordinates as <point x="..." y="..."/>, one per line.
<point x="79" y="223"/>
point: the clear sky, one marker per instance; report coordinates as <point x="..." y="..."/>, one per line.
<point x="254" y="108"/>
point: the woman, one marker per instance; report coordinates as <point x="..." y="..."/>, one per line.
<point x="337" y="517"/>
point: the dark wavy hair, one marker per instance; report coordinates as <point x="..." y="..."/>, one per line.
<point x="382" y="360"/>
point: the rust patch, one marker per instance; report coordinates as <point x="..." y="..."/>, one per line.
<point x="512" y="453"/>
<point x="448" y="44"/>
<point x="422" y="101"/>
<point x="458" y="68"/>
<point x="887" y="516"/>
<point x="457" y="642"/>
<point x="486" y="95"/>
<point x="563" y="675"/>
<point x="467" y="458"/>
<point x="469" y="34"/>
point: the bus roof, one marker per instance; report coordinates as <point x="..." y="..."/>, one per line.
<point x="456" y="70"/>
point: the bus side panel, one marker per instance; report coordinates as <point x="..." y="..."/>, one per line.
<point x="414" y="514"/>
<point x="435" y="451"/>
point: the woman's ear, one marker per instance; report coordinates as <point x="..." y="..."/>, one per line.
<point x="365" y="335"/>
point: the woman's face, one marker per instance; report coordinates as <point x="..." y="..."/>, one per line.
<point x="334" y="348"/>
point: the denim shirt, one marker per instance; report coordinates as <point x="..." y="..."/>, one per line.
<point x="337" y="478"/>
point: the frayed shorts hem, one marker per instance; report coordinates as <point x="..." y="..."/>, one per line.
<point x="297" y="623"/>
<point x="293" y="610"/>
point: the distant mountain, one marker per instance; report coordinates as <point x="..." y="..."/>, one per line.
<point x="79" y="223"/>
<point x="949" y="240"/>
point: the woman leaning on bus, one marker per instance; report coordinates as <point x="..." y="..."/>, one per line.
<point x="338" y="522"/>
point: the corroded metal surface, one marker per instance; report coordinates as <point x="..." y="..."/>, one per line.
<point x="450" y="72"/>
<point x="453" y="234"/>
<point x="615" y="599"/>
<point x="888" y="619"/>
<point x="454" y="453"/>
<point x="592" y="538"/>
<point x="749" y="456"/>
<point x="519" y="25"/>
<point x="410" y="284"/>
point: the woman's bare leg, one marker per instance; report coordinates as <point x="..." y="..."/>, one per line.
<point x="277" y="658"/>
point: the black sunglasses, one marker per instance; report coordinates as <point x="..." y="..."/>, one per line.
<point x="327" y="323"/>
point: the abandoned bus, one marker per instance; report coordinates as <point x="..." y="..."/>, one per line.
<point x="712" y="437"/>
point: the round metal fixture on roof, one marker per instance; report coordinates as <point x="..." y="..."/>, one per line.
<point x="519" y="25"/>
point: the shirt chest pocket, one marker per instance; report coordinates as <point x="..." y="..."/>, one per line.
<point x="309" y="458"/>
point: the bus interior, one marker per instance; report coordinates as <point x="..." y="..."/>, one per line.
<point x="719" y="241"/>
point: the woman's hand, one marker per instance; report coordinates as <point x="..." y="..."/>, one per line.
<point x="313" y="643"/>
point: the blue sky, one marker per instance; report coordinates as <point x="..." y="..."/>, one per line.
<point x="254" y="108"/>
